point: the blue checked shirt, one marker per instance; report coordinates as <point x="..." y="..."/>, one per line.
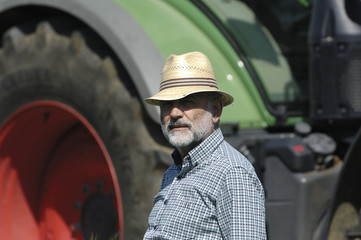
<point x="214" y="193"/>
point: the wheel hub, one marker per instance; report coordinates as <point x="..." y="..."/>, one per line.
<point x="56" y="177"/>
<point x="99" y="217"/>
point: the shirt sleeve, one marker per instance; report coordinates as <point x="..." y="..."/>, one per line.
<point x="240" y="206"/>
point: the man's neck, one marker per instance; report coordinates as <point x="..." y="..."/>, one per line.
<point x="183" y="151"/>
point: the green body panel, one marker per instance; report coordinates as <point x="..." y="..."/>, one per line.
<point x="260" y="48"/>
<point x="178" y="27"/>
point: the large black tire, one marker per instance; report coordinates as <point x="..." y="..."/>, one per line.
<point x="47" y="66"/>
<point x="345" y="215"/>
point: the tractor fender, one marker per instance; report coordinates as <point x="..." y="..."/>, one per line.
<point x="121" y="32"/>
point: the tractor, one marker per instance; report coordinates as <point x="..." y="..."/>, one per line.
<point x="82" y="155"/>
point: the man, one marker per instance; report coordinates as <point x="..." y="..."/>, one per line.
<point x="211" y="191"/>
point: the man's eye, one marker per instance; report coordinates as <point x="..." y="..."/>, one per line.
<point x="188" y="103"/>
<point x="165" y="105"/>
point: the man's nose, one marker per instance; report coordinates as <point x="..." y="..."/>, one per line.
<point x="176" y="112"/>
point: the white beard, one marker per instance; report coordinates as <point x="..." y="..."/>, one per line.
<point x="195" y="134"/>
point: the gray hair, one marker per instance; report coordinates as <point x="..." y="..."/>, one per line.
<point x="212" y="97"/>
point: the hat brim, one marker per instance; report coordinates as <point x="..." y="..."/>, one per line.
<point x="177" y="93"/>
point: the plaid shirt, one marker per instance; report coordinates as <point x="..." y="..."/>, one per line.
<point x="213" y="193"/>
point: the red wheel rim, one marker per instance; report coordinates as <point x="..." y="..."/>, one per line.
<point x="57" y="180"/>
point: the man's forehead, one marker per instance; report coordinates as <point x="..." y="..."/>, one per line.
<point x="197" y="96"/>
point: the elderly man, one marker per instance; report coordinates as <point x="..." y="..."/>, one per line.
<point x="211" y="191"/>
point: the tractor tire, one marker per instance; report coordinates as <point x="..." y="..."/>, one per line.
<point x="76" y="160"/>
<point x="345" y="217"/>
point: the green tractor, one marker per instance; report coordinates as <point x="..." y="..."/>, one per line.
<point x="82" y="155"/>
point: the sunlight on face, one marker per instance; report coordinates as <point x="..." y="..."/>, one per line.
<point x="193" y="134"/>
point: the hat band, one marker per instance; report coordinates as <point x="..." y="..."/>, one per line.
<point x="188" y="82"/>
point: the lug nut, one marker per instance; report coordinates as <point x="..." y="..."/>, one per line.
<point x="112" y="194"/>
<point x="77" y="204"/>
<point x="86" y="188"/>
<point x="75" y="227"/>
<point x="99" y="184"/>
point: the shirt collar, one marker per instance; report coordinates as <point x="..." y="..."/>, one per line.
<point x="198" y="154"/>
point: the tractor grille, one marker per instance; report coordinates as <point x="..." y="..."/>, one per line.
<point x="350" y="81"/>
<point x="336" y="82"/>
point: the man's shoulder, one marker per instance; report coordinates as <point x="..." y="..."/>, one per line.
<point x="229" y="156"/>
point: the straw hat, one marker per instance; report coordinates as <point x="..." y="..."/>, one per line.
<point x="187" y="74"/>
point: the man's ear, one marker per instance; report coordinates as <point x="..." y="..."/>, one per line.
<point x="217" y="108"/>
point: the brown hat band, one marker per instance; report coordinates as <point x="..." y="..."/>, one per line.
<point x="184" y="82"/>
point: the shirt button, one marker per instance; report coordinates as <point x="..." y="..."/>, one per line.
<point x="165" y="201"/>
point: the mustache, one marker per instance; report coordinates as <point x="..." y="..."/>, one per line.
<point x="178" y="122"/>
